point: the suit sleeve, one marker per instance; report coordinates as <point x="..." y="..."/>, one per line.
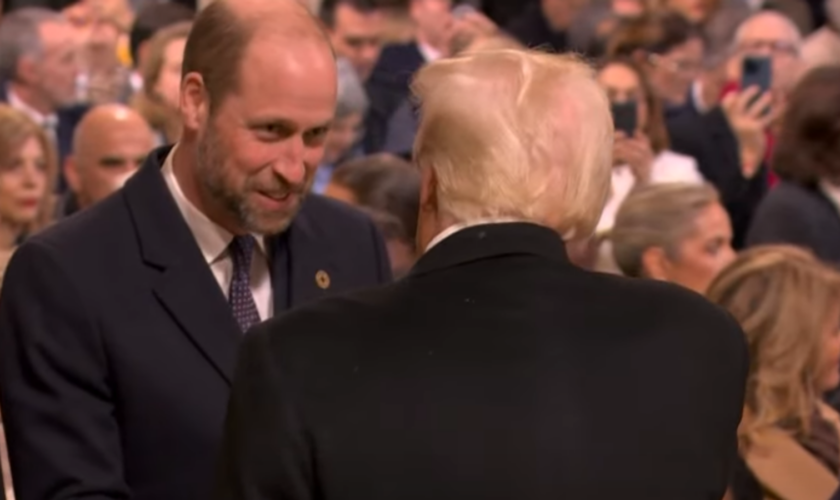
<point x="264" y="452"/>
<point x="58" y="409"/>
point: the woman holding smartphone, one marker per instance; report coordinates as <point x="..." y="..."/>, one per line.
<point x="640" y="153"/>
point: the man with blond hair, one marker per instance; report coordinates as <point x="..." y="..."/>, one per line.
<point x="497" y="369"/>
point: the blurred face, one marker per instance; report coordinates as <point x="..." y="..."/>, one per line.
<point x="561" y="13"/>
<point x="56" y="71"/>
<point x="704" y="253"/>
<point x="103" y="166"/>
<point x="257" y="156"/>
<point x="433" y="18"/>
<point x="343" y="134"/>
<point x="774" y="37"/>
<point x="357" y="36"/>
<point x="168" y="86"/>
<point x="622" y="84"/>
<point x="696" y="11"/>
<point x="23" y="185"/>
<point x="829" y="374"/>
<point x="672" y="73"/>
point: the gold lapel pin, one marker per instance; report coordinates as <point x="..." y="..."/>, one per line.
<point x="322" y="279"/>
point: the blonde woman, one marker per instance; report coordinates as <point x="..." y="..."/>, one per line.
<point x="672" y="232"/>
<point x="789" y="307"/>
<point x="28" y="168"/>
<point x="158" y="101"/>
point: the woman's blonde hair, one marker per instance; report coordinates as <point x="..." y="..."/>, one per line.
<point x="656" y="216"/>
<point x="148" y="103"/>
<point x="783" y="298"/>
<point x="15" y="129"/>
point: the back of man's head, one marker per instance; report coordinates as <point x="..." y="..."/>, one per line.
<point x="516" y="134"/>
<point x="328" y="8"/>
<point x="224" y="29"/>
<point x="20" y="36"/>
<point x="153" y="16"/>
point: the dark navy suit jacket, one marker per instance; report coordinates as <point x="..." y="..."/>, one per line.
<point x="117" y="345"/>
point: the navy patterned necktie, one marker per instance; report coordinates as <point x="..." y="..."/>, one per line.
<point x="240" y="297"/>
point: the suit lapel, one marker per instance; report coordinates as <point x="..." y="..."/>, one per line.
<point x="311" y="273"/>
<point x="181" y="279"/>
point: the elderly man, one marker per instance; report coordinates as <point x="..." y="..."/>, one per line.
<point x="38" y="69"/>
<point x="110" y="144"/>
<point x="497" y="369"/>
<point x="730" y="142"/>
<point x="119" y="327"/>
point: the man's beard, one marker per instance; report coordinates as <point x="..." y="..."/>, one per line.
<point x="218" y="184"/>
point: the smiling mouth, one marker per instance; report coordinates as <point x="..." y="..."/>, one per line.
<point x="276" y="196"/>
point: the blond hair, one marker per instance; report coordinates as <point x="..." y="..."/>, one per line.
<point x="516" y="134"/>
<point x="656" y="216"/>
<point x="783" y="298"/>
<point x="15" y="129"/>
<point x="151" y="106"/>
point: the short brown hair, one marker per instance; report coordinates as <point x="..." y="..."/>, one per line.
<point x="214" y="49"/>
<point x="653" y="33"/>
<point x="385" y="183"/>
<point x="808" y="147"/>
<point x="656" y="130"/>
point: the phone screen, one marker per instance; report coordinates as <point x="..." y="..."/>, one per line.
<point x="756" y="72"/>
<point x="625" y="117"/>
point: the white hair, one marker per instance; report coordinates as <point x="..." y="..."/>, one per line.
<point x="516" y="134"/>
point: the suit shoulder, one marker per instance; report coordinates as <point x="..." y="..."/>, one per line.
<point x="332" y="317"/>
<point x="95" y="225"/>
<point x="331" y="212"/>
<point x="667" y="305"/>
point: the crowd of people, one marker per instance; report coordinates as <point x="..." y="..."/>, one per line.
<point x="173" y="174"/>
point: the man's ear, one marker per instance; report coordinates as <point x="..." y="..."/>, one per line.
<point x="428" y="190"/>
<point x="655" y="264"/>
<point x="195" y="103"/>
<point x="71" y="174"/>
<point x="27" y="69"/>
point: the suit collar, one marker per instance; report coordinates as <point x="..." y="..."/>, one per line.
<point x="183" y="282"/>
<point x="485" y="241"/>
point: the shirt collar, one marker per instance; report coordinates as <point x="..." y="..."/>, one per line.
<point x="464" y="225"/>
<point x="46" y="121"/>
<point x="833" y="193"/>
<point x="212" y="239"/>
<point x="429" y="53"/>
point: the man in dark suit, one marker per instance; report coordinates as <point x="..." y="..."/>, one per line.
<point x="496" y="369"/>
<point x="38" y="69"/>
<point x="119" y="326"/>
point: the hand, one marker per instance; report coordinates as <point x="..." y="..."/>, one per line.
<point x="466" y="29"/>
<point x="636" y="152"/>
<point x="750" y="120"/>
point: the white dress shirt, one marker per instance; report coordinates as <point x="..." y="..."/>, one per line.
<point x="47" y="122"/>
<point x="833" y="193"/>
<point x="214" y="240"/>
<point x="446" y="233"/>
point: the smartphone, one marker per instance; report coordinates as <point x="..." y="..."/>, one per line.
<point x="625" y="115"/>
<point x="757" y="72"/>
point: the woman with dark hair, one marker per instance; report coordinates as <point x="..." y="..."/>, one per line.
<point x="804" y="209"/>
<point x="668" y="48"/>
<point x="642" y="157"/>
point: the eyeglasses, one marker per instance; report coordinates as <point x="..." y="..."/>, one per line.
<point x="678" y="66"/>
<point x="773" y="47"/>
